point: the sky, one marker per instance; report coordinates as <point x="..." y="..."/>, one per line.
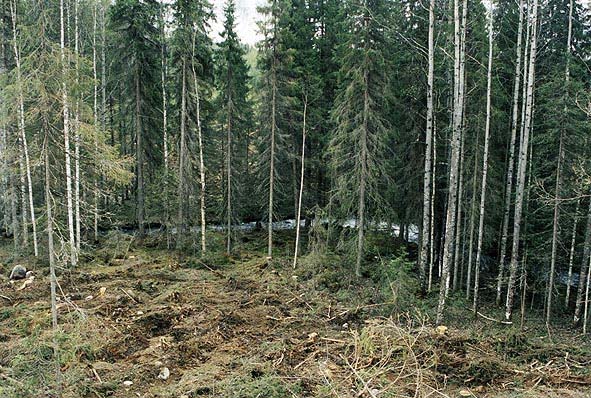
<point x="246" y="19"/>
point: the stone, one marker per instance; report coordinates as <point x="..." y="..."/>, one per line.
<point x="18" y="272"/>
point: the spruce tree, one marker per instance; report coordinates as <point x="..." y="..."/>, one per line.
<point x="357" y="150"/>
<point x="234" y="110"/>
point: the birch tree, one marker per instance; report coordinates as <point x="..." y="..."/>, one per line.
<point x="426" y="238"/>
<point x="484" y="159"/>
<point x="458" y="106"/>
<point x="66" y="129"/>
<point x="522" y="163"/>
<point x="511" y="162"/>
<point x="21" y="124"/>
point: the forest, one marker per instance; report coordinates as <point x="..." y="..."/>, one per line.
<point x="380" y="198"/>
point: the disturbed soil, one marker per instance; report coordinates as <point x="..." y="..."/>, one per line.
<point x="148" y="324"/>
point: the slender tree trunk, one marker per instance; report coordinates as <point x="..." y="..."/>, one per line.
<point x="363" y="177"/>
<point x="584" y="266"/>
<point x="450" y="222"/>
<point x="509" y="182"/>
<point x="66" y="119"/>
<point x="23" y="195"/>
<point x="522" y="165"/>
<point x="558" y="187"/>
<point x="139" y="155"/>
<point x="182" y="224"/>
<point x="472" y="222"/>
<point x="96" y="121"/>
<point x="587" y="298"/>
<point x="301" y="191"/>
<point x="201" y="159"/>
<point x="163" y="76"/>
<point x="77" y="220"/>
<point x="432" y="210"/>
<point x="555" y="228"/>
<point x="571" y="256"/>
<point x="13" y="210"/>
<point x="484" y="162"/>
<point x="21" y="127"/>
<point x="272" y="154"/>
<point x="229" y="172"/>
<point x="459" y="217"/>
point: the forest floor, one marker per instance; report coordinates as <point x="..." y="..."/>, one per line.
<point x="142" y="322"/>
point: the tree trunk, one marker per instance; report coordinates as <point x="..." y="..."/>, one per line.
<point x="163" y="76"/>
<point x="23" y="195"/>
<point x="571" y="256"/>
<point x="182" y="224"/>
<point x="459" y="217"/>
<point x="432" y="210"/>
<point x="584" y="266"/>
<point x="509" y="182"/>
<point x="201" y="159"/>
<point x="301" y="191"/>
<point x="522" y="165"/>
<point x="472" y="222"/>
<point x="272" y="154"/>
<point x="77" y="220"/>
<point x="557" y="191"/>
<point x="96" y="121"/>
<point x="66" y="119"/>
<point x="484" y="162"/>
<point x="229" y="172"/>
<point x="139" y="155"/>
<point x="21" y="127"/>
<point x="587" y="298"/>
<point x="450" y="221"/>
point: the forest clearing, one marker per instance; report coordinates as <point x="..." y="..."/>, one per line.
<point x="138" y="321"/>
<point x="295" y="198"/>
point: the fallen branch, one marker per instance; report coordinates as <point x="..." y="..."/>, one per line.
<point x="6" y="298"/>
<point x="128" y="295"/>
<point x="494" y="320"/>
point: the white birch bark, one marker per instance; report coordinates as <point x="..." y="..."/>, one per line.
<point x="76" y="126"/>
<point x="66" y="120"/>
<point x="450" y="221"/>
<point x="484" y="161"/>
<point x="426" y="238"/>
<point x="459" y="218"/>
<point x="163" y="76"/>
<point x="587" y="298"/>
<point x="201" y="159"/>
<point x="510" y="167"/>
<point x="522" y="165"/>
<point x="21" y="128"/>
<point x="571" y="255"/>
<point x="301" y="190"/>
<point x="182" y="156"/>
